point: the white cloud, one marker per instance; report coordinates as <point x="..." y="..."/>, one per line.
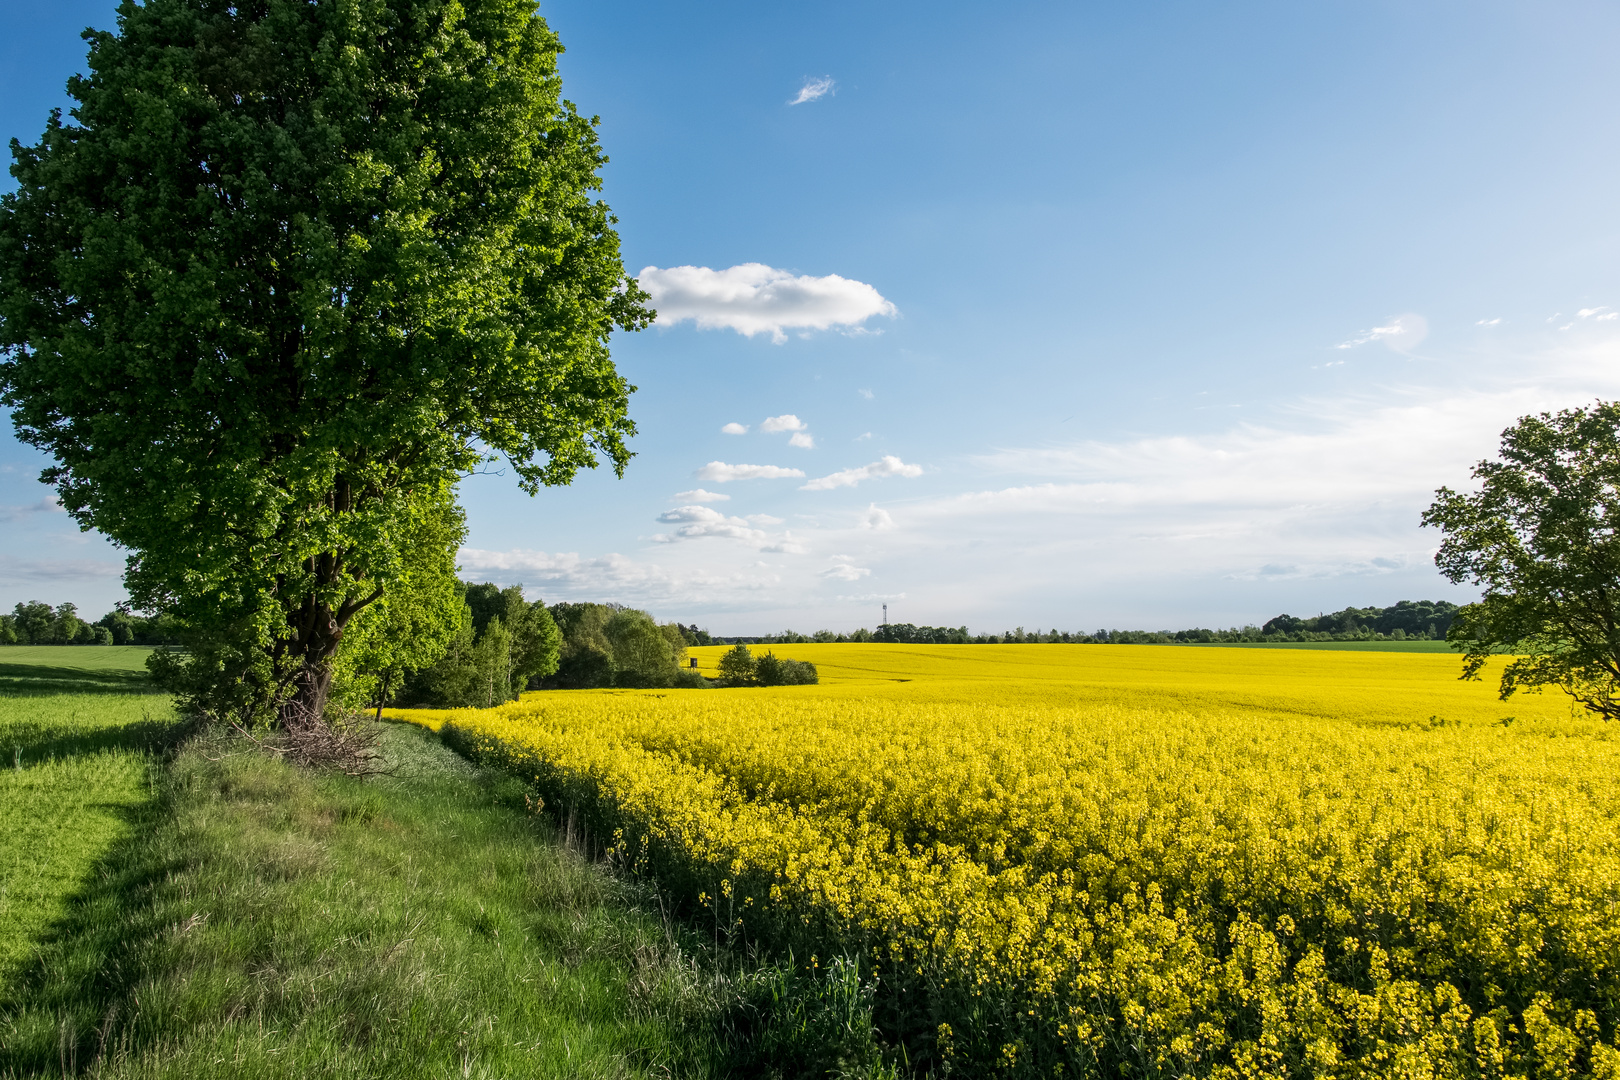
<point x="567" y="576"/>
<point x="719" y="472"/>
<point x="698" y="495"/>
<point x="867" y="394"/>
<point x="814" y="90"/>
<point x="803" y="440"/>
<point x="1601" y="314"/>
<point x="757" y="299"/>
<point x="785" y="422"/>
<point x="876" y="518"/>
<point x="862" y="437"/>
<point x="1402" y="333"/>
<point x="785" y="546"/>
<point x="699" y="521"/>
<point x="734" y="428"/>
<point x="888" y="465"/>
<point x="844" y="570"/>
<point x="764" y="519"/>
<point x="1488" y="322"/>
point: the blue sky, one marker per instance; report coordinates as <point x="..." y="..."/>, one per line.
<point x="1091" y="315"/>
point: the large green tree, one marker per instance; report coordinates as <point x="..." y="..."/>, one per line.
<point x="289" y="269"/>
<point x="1541" y="535"/>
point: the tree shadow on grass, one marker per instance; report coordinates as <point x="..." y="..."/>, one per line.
<point x="35" y="680"/>
<point x="22" y="745"/>
<point x="64" y="1006"/>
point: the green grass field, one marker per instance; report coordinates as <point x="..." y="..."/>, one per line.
<point x="57" y="669"/>
<point x="78" y="732"/>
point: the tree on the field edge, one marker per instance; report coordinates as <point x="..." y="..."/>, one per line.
<point x="288" y="271"/>
<point x="1541" y="536"/>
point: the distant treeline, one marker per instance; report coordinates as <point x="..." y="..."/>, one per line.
<point x="38" y="623"/>
<point x="1407" y="620"/>
<point x="505" y="645"/>
<point x="508" y="644"/>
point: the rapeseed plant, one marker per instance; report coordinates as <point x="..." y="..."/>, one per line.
<point x="1131" y="860"/>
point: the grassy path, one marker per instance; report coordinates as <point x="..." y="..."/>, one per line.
<point x="264" y="921"/>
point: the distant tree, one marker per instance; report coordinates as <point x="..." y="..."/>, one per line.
<point x="585" y="658"/>
<point x="502" y="643"/>
<point x="737" y="666"/>
<point x="768" y="670"/>
<point x="34" y="622"/>
<point x="1540" y="537"/>
<point x="694" y="636"/>
<point x="643" y="655"/>
<point x="456" y="678"/>
<point x="771" y="670"/>
<point x="290" y="271"/>
<point x="120" y="626"/>
<point x="534" y="640"/>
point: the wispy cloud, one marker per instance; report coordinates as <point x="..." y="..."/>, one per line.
<point x="734" y="428"/>
<point x="567" y="576"/>
<point x="814" y="90"/>
<point x="876" y="518"/>
<point x="14" y="571"/>
<point x="48" y="505"/>
<point x="1489" y="322"/>
<point x="1598" y="314"/>
<point x="786" y="545"/>
<point x="888" y="465"/>
<point x="757" y="299"/>
<point x="844" y="569"/>
<point x="698" y="495"/>
<point x="1401" y="333"/>
<point x="718" y="472"/>
<point x="699" y="521"/>
<point x="867" y="394"/>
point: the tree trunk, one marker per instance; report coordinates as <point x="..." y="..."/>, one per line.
<point x="306" y="709"/>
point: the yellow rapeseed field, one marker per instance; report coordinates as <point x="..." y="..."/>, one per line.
<point x="1131" y="860"/>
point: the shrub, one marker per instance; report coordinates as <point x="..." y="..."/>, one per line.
<point x="737" y="667"/>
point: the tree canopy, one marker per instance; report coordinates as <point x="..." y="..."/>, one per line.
<point x="289" y="270"/>
<point x="1540" y="536"/>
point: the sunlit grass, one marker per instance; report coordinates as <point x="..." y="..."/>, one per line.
<point x="75" y="769"/>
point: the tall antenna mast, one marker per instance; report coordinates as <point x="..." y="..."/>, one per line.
<point x="885" y="614"/>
